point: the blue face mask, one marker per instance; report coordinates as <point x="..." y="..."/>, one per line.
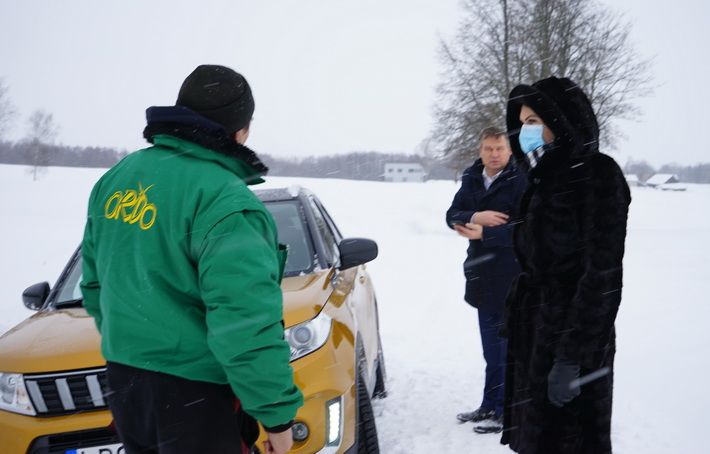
<point x="530" y="138"/>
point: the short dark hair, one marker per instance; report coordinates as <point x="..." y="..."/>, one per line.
<point x="492" y="131"/>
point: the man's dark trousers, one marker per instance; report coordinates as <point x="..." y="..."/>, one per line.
<point x="490" y="264"/>
<point x="165" y="414"/>
<point x="494" y="352"/>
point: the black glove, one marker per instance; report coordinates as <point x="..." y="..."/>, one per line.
<point x="563" y="382"/>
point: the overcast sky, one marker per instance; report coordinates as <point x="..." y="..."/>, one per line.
<point x="329" y="76"/>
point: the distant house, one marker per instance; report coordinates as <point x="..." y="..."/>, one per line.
<point x="404" y="172"/>
<point x="661" y="178"/>
<point x="632" y="180"/>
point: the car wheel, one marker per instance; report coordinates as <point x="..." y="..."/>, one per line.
<point x="380" y="375"/>
<point x="366" y="429"/>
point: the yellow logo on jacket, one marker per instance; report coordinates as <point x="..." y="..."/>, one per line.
<point x="132" y="207"/>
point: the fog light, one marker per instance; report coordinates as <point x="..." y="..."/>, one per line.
<point x="333" y="426"/>
<point x="334" y="415"/>
<point x="300" y="431"/>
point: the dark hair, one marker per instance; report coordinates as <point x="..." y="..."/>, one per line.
<point x="492" y="131"/>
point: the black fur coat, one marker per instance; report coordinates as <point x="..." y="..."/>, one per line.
<point x="570" y="246"/>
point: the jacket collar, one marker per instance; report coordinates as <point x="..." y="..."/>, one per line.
<point x="184" y="131"/>
<point x="181" y="146"/>
<point x="477" y="172"/>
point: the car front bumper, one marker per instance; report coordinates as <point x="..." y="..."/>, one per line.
<point x="22" y="434"/>
<point x="323" y="376"/>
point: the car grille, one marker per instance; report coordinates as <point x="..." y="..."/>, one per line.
<point x="67" y="392"/>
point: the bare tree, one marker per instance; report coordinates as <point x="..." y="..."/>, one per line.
<point x="501" y="43"/>
<point x="41" y="133"/>
<point x="7" y="111"/>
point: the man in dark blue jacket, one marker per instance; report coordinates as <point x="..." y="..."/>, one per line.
<point x="484" y="210"/>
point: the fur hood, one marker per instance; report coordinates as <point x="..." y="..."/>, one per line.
<point x="565" y="109"/>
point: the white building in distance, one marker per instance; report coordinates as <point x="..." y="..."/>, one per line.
<point x="632" y="180"/>
<point x="661" y="178"/>
<point x="404" y="172"/>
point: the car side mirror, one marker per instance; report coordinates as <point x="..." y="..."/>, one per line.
<point x="34" y="296"/>
<point x="356" y="251"/>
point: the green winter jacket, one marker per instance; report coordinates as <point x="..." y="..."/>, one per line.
<point x="182" y="271"/>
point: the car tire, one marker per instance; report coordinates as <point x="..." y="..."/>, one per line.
<point x="366" y="428"/>
<point x="380" y="391"/>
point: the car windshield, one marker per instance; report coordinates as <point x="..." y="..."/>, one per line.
<point x="290" y="222"/>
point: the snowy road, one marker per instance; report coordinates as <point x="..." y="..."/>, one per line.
<point x="430" y="335"/>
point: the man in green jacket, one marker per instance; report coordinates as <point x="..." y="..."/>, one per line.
<point x="182" y="271"/>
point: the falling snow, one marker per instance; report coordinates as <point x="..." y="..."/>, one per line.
<point x="429" y="334"/>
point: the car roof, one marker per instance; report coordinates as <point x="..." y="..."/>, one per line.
<point x="281" y="194"/>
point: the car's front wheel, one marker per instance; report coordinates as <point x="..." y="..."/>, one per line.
<point x="366" y="428"/>
<point x="380" y="391"/>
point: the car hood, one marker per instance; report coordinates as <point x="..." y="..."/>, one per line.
<point x="51" y="341"/>
<point x="66" y="339"/>
<point x="305" y="296"/>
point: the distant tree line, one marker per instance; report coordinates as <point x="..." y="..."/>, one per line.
<point x="38" y="154"/>
<point x="699" y="173"/>
<point x="353" y="166"/>
<point x="350" y="166"/>
<point x="38" y="150"/>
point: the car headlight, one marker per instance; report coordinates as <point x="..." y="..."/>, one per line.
<point x="309" y="336"/>
<point x="13" y="395"/>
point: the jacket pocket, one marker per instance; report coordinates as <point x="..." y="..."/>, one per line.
<point x="282" y="255"/>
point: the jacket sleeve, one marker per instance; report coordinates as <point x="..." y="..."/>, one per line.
<point x="463" y="205"/>
<point x="498" y="236"/>
<point x="592" y="312"/>
<point x="90" y="285"/>
<point x="239" y="281"/>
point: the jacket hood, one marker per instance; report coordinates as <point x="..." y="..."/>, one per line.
<point x="564" y="108"/>
<point x="185" y="124"/>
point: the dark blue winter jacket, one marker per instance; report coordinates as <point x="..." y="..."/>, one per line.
<point x="491" y="265"/>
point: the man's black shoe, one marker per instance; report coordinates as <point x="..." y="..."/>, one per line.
<point x="476" y="415"/>
<point x="490" y="426"/>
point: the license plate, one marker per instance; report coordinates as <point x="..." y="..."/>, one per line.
<point x="107" y="449"/>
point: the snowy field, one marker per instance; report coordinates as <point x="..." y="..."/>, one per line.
<point x="430" y="335"/>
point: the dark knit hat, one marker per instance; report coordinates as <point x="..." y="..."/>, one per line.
<point x="220" y="94"/>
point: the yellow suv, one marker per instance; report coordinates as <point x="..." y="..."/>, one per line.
<point x="52" y="374"/>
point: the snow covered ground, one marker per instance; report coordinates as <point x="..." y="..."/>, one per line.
<point x="430" y="335"/>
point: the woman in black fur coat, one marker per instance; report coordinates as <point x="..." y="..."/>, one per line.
<point x="570" y="246"/>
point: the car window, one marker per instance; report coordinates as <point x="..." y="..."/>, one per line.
<point x="291" y="226"/>
<point x="331" y="224"/>
<point x="70" y="290"/>
<point x="329" y="240"/>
